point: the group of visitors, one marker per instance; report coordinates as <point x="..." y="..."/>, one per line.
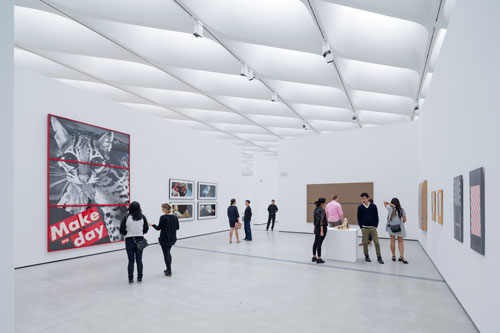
<point x="368" y="220"/>
<point x="135" y="225"/>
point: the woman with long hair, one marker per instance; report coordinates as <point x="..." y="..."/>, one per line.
<point x="320" y="228"/>
<point x="396" y="219"/>
<point x="168" y="226"/>
<point x="234" y="221"/>
<point x="133" y="227"/>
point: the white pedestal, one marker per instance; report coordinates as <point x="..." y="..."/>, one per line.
<point x="341" y="244"/>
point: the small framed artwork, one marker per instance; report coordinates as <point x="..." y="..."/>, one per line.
<point x="183" y="210"/>
<point x="458" y="208"/>
<point x="422" y="205"/>
<point x="207" y="210"/>
<point x="207" y="191"/>
<point x="477" y="210"/>
<point x="181" y="189"/>
<point x="440" y="206"/>
<point x="433" y="205"/>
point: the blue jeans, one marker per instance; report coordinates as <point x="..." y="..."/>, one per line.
<point x="133" y="254"/>
<point x="248" y="231"/>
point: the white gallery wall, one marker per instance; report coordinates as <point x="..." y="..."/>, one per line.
<point x="159" y="151"/>
<point x="458" y="133"/>
<point x="386" y="156"/>
<point x="7" y="166"/>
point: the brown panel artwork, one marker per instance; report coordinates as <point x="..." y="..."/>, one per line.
<point x="422" y="205"/>
<point x="433" y="205"/>
<point x="440" y="206"/>
<point x="348" y="197"/>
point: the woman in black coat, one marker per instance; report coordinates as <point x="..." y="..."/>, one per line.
<point x="320" y="228"/>
<point x="168" y="226"/>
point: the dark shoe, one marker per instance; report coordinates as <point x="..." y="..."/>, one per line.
<point x="314" y="259"/>
<point x="367" y="259"/>
<point x="320" y="261"/>
<point x="380" y="261"/>
<point x="130" y="280"/>
<point x="139" y="279"/>
<point x="169" y="274"/>
<point x="401" y="259"/>
<point x="393" y="258"/>
<point x="272" y="229"/>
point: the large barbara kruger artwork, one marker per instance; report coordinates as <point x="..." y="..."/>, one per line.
<point x="88" y="183"/>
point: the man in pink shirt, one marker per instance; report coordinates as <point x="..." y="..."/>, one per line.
<point x="334" y="212"/>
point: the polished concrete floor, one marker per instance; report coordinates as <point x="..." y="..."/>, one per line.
<point x="267" y="285"/>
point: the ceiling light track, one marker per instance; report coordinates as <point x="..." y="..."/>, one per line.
<point x="136" y="95"/>
<point x="159" y="67"/>
<point x="330" y="58"/>
<point x="181" y="5"/>
<point x="426" y="63"/>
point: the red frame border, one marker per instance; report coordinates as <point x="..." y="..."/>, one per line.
<point x="48" y="177"/>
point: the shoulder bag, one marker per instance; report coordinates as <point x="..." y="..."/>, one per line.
<point x="141" y="244"/>
<point x="394" y="227"/>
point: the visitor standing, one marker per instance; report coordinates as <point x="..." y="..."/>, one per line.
<point x="168" y="226"/>
<point x="320" y="229"/>
<point x="247" y="217"/>
<point x="234" y="221"/>
<point x="133" y="226"/>
<point x="272" y="210"/>
<point x="334" y="212"/>
<point x="396" y="219"/>
<point x="368" y="222"/>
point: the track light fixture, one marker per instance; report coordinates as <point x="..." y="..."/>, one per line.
<point x="244" y="70"/>
<point x="198" y="29"/>
<point x="305" y="126"/>
<point x="250" y="75"/>
<point x="327" y="52"/>
<point x="416" y="107"/>
<point x="274" y="97"/>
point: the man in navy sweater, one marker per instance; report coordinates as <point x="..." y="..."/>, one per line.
<point x="368" y="222"/>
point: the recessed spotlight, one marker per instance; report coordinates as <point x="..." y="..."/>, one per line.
<point x="198" y="29"/>
<point x="327" y="52"/>
<point x="274" y="97"/>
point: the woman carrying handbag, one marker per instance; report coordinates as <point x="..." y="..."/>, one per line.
<point x="396" y="219"/>
<point x="133" y="227"/>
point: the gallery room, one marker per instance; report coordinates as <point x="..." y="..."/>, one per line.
<point x="249" y="165"/>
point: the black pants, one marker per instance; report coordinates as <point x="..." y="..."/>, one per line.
<point x="248" y="230"/>
<point x="134" y="255"/>
<point x="167" y="256"/>
<point x="318" y="241"/>
<point x="272" y="217"/>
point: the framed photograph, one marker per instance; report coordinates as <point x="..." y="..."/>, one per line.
<point x="181" y="189"/>
<point x="183" y="210"/>
<point x="88" y="183"/>
<point x="440" y="206"/>
<point x="458" y="208"/>
<point x="207" y="191"/>
<point x="477" y="210"/>
<point x="433" y="205"/>
<point x="207" y="210"/>
<point x="422" y="205"/>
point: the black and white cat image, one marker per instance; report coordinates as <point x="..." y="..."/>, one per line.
<point x="81" y="160"/>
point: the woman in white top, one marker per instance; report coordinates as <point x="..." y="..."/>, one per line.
<point x="396" y="219"/>
<point x="133" y="227"/>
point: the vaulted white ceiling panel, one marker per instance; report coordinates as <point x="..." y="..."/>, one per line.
<point x="323" y="112"/>
<point x="327" y="125"/>
<point x="157" y="110"/>
<point x="380" y="118"/>
<point x="256" y="106"/>
<point x="379" y="78"/>
<point x="276" y="121"/>
<point x="214" y="116"/>
<point x="281" y="23"/>
<point x="365" y="100"/>
<point x="368" y="36"/>
<point x="105" y="90"/>
<point x="237" y="128"/>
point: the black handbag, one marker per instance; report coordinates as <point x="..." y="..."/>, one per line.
<point x="141" y="244"/>
<point x="395" y="227"/>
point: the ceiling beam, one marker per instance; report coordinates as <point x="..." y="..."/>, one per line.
<point x="153" y="64"/>
<point x="137" y="95"/>
<point x="324" y="37"/>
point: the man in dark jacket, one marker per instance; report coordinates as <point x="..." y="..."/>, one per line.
<point x="368" y="222"/>
<point x="246" y="219"/>
<point x="272" y="209"/>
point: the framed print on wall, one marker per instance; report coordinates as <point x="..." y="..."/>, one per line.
<point x="458" y="208"/>
<point x="207" y="210"/>
<point x="88" y="183"/>
<point x="183" y="210"/>
<point x="207" y="191"/>
<point x="181" y="189"/>
<point x="440" y="206"/>
<point x="477" y="210"/>
<point x="433" y="205"/>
